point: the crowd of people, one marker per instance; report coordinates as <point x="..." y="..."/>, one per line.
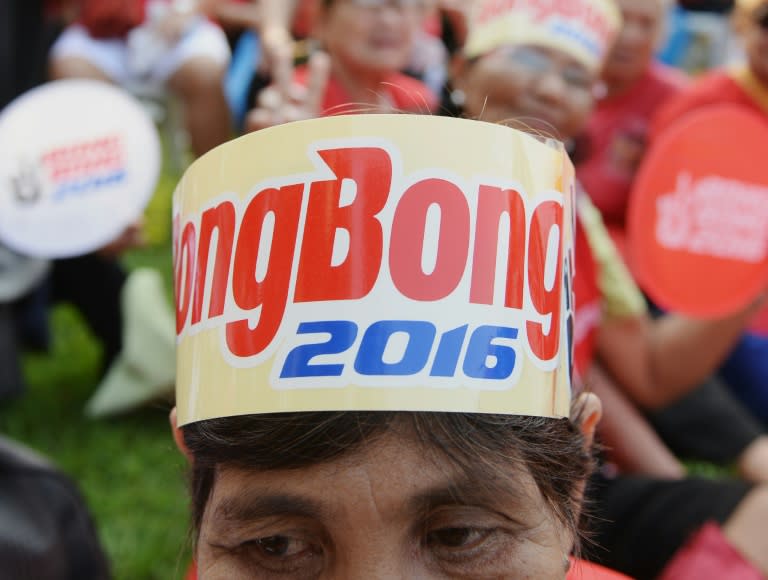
<point x="672" y="387"/>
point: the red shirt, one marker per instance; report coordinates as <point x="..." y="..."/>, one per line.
<point x="304" y="18"/>
<point x="581" y="570"/>
<point x="588" y="305"/>
<point x="715" y="88"/>
<point x="616" y="138"/>
<point x="403" y="92"/>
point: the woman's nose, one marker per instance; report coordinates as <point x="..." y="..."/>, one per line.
<point x="551" y="87"/>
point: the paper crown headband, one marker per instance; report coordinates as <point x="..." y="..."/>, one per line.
<point x="583" y="28"/>
<point x="383" y="262"/>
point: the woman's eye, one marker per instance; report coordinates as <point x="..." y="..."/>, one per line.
<point x="575" y="77"/>
<point x="531" y="59"/>
<point x="457" y="538"/>
<point x="282" y="546"/>
<point x="282" y="555"/>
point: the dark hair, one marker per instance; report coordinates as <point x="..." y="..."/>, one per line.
<point x="484" y="446"/>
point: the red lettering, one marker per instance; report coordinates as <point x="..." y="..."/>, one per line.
<point x="408" y="233"/>
<point x="271" y="293"/>
<point x="71" y="161"/>
<point x="318" y="280"/>
<point x="185" y="261"/>
<point x="545" y="300"/>
<point x="492" y="203"/>
<point x="590" y="17"/>
<point x="222" y="219"/>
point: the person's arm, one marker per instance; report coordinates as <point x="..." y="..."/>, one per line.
<point x="278" y="13"/>
<point x="276" y="18"/>
<point x="658" y="361"/>
<point x="654" y="361"/>
<point x="631" y="442"/>
<point x="287" y="101"/>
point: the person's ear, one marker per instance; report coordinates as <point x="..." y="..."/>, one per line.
<point x="178" y="436"/>
<point x="589" y="411"/>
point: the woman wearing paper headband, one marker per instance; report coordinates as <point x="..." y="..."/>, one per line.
<point x="350" y="412"/>
<point x="536" y="66"/>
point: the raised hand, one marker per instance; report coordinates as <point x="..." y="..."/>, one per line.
<point x="285" y="100"/>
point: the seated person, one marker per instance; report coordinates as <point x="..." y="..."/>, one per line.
<point x="612" y="145"/>
<point x="540" y="72"/>
<point x="746" y="369"/>
<point x="367" y="45"/>
<point x="155" y="43"/>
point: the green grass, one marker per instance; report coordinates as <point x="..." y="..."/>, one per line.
<point x="128" y="469"/>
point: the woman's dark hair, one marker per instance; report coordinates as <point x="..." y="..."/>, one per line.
<point x="484" y="446"/>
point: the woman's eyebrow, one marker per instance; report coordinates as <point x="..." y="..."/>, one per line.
<point x="254" y="506"/>
<point x="464" y="492"/>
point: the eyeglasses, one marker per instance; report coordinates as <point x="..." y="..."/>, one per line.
<point x="536" y="61"/>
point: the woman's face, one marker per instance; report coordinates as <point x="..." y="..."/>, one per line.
<point x="543" y="88"/>
<point x="371" y="36"/>
<point x="383" y="512"/>
<point x="641" y="29"/>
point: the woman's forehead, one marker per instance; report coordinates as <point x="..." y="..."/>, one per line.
<point x="392" y="472"/>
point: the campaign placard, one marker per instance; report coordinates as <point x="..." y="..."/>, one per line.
<point x="698" y="212"/>
<point x="80" y="160"/>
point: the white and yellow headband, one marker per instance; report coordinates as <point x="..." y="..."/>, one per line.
<point x="584" y="29"/>
<point x="382" y="262"/>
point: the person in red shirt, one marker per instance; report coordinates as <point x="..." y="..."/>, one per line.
<point x="613" y="143"/>
<point x="745" y="86"/>
<point x="368" y="43"/>
<point x="545" y="80"/>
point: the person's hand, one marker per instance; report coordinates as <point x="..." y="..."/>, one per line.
<point x="277" y="44"/>
<point x="131" y="237"/>
<point x="285" y="100"/>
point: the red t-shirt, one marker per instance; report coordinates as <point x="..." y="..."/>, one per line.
<point x="616" y="136"/>
<point x="304" y="18"/>
<point x="403" y="92"/>
<point x="715" y="88"/>
<point x="581" y="570"/>
<point x="588" y="305"/>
